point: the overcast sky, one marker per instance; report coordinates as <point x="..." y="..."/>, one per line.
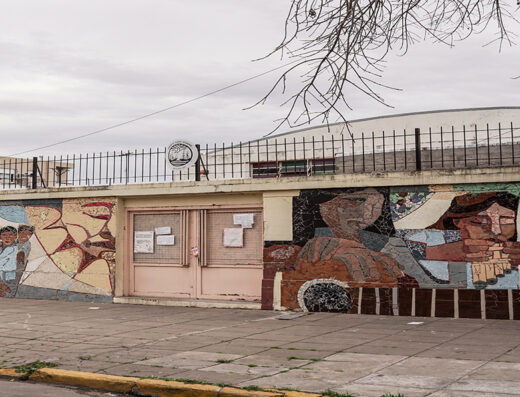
<point x="71" y="67"/>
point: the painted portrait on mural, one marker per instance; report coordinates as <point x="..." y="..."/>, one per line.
<point x="69" y="247"/>
<point x="433" y="237"/>
<point x="474" y="241"/>
<point x="14" y="251"/>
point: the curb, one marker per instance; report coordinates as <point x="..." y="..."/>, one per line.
<point x="141" y="387"/>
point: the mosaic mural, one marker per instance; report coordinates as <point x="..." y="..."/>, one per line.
<point x="399" y="241"/>
<point x="57" y="249"/>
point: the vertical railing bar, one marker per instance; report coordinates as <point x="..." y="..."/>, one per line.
<point x="142" y="165"/>
<point x="86" y="170"/>
<point x="250" y="168"/>
<point x="488" y="148"/>
<point x="232" y="162"/>
<point x="343" y="152"/>
<point x="464" y="139"/>
<point x="395" y="151"/>
<point x="150" y="165"/>
<point x="206" y="164"/>
<point x="363" y="149"/>
<point x="223" y="161"/>
<point x="100" y="166"/>
<point x="384" y="152"/>
<point x="442" y="148"/>
<point x="453" y="145"/>
<point x="512" y="145"/>
<point x="333" y="155"/>
<point x="313" y="153"/>
<point x="276" y="154"/>
<point x="373" y="152"/>
<point x="431" y="148"/>
<point x="500" y="141"/>
<point x="241" y="160"/>
<point x="157" y="175"/>
<point x="405" y="155"/>
<point x="476" y="145"/>
<point x="353" y="156"/>
<point x="73" y="168"/>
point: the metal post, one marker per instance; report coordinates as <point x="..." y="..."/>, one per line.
<point x="35" y="173"/>
<point x="418" y="162"/>
<point x="197" y="164"/>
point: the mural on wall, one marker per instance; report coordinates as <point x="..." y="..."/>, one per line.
<point x="57" y="248"/>
<point x="460" y="237"/>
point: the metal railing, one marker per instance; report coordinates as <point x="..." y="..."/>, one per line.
<point x="277" y="157"/>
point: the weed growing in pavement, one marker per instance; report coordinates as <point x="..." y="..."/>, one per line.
<point x="331" y="393"/>
<point x="223" y="361"/>
<point x="29" y="368"/>
<point x="183" y="380"/>
<point x="253" y="388"/>
<point x="85" y="358"/>
<point x="275" y="347"/>
<point x="303" y="358"/>
<point x="392" y="395"/>
<point x="252" y="365"/>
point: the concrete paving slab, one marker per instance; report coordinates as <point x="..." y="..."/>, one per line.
<point x="302" y="380"/>
<point x="487" y="386"/>
<point x="454" y="393"/>
<point x="423" y="366"/>
<point x="215" y="377"/>
<point x="190" y="360"/>
<point x="364" y="390"/>
<point x="251" y="369"/>
<point x="414" y="381"/>
<point x="270" y="361"/>
<point x="496" y="371"/>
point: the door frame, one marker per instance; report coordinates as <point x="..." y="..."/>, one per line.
<point x="129" y="240"/>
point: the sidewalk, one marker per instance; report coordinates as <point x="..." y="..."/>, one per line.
<point x="360" y="355"/>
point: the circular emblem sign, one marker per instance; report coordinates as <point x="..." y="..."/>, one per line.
<point x="181" y="155"/>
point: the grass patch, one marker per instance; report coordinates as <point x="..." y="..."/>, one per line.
<point x="275" y="347"/>
<point x="252" y="365"/>
<point x="331" y="393"/>
<point x="392" y="395"/>
<point x="304" y="359"/>
<point x="187" y="381"/>
<point x="29" y="368"/>
<point x="253" y="388"/>
<point x="223" y="361"/>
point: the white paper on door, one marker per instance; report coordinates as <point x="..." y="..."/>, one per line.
<point x="245" y="220"/>
<point x="234" y="237"/>
<point x="143" y="242"/>
<point x="166" y="240"/>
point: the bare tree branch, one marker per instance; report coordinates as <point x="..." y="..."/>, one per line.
<point x="339" y="46"/>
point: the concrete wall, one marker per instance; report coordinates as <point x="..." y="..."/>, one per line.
<point x="386" y="243"/>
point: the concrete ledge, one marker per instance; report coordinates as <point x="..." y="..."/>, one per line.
<point x="119" y="384"/>
<point x="136" y="300"/>
<point x="399" y="178"/>
<point x="142" y="387"/>
<point x="10" y="373"/>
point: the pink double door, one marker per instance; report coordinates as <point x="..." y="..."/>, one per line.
<point x="198" y="261"/>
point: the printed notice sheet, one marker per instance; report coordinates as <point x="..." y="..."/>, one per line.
<point x="163" y="230"/>
<point x="166" y="240"/>
<point x="143" y="242"/>
<point x="245" y="220"/>
<point x="234" y="237"/>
